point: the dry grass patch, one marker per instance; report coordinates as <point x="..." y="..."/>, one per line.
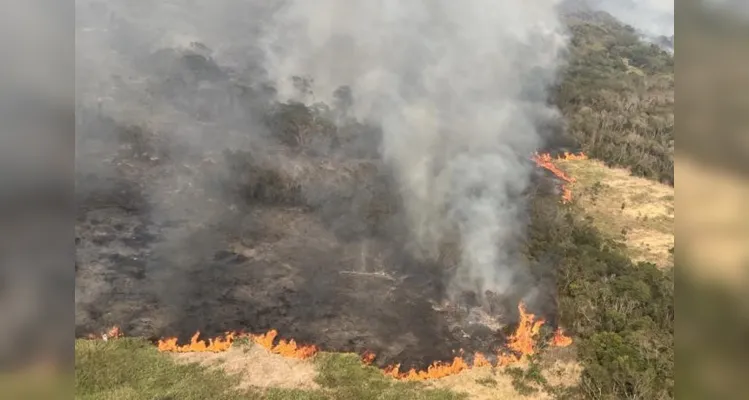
<point x="257" y="367"/>
<point x="485" y="383"/>
<point x="637" y="211"/>
<point x="490" y="383"/>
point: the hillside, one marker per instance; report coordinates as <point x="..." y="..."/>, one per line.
<point x="248" y="371"/>
<point x="306" y="238"/>
<point x="636" y="211"/>
<point x="133" y="369"/>
<point x="617" y="96"/>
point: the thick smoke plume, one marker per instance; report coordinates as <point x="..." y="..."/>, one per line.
<point x="330" y="169"/>
<point x="652" y="19"/>
<point x="459" y="89"/>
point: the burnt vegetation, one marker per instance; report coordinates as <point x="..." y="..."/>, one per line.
<point x="301" y="233"/>
<point x="317" y="201"/>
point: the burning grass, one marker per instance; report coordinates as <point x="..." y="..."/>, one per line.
<point x="627" y="208"/>
<point x="131" y="368"/>
<point x="545" y="161"/>
<point x="521" y="344"/>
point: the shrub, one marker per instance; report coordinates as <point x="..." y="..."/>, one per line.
<point x="621" y="313"/>
<point x="616" y="94"/>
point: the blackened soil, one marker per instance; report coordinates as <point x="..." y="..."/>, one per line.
<point x="297" y="278"/>
<point x="171" y="240"/>
<point x="255" y="266"/>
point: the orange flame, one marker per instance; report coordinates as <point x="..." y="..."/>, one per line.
<point x="266" y="340"/>
<point x="545" y="161"/>
<point x="111" y="333"/>
<point x="368" y="357"/>
<point x="559" y="340"/>
<point x="114" y="333"/>
<point x="522" y="341"/>
<point x="504" y="360"/>
<point x="573" y="157"/>
<point x="480" y="361"/>
<point x="436" y="370"/>
<point x="521" y="344"/>
<point x="196" y="346"/>
<point x="285" y="348"/>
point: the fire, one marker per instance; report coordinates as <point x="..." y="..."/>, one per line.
<point x="521" y="343"/>
<point x="573" y="157"/>
<point x="545" y="161"/>
<point x="559" y="340"/>
<point x="111" y="333"/>
<point x="368" y="357"/>
<point x="285" y="348"/>
<point x="216" y="345"/>
<point x="436" y="370"/>
<point x="266" y="340"/>
<point x="480" y="361"/>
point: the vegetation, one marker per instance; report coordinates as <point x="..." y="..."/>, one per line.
<point x="636" y="211"/>
<point x="348" y="379"/>
<point x="131" y="369"/>
<point x="621" y="314"/>
<point x="526" y="381"/>
<point x="617" y="96"/>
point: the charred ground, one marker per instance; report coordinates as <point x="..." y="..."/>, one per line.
<point x="300" y="231"/>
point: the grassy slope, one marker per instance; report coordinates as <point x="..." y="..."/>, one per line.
<point x="620" y="313"/>
<point x="630" y="209"/>
<point x="614" y="308"/>
<point x="131" y="369"/>
<point x="617" y="96"/>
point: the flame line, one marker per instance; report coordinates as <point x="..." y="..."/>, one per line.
<point x="545" y="161"/>
<point x="520" y="344"/>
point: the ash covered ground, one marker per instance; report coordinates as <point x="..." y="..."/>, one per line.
<point x="280" y="219"/>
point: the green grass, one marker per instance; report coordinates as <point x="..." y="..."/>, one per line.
<point x="529" y="380"/>
<point x="132" y="369"/>
<point x="345" y="375"/>
<point x="620" y="313"/>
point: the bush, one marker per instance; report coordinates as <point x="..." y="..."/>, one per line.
<point x="621" y="313"/>
<point x="617" y="95"/>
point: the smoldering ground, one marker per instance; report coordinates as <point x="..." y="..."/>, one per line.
<point x="209" y="200"/>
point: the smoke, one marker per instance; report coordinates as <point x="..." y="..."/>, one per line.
<point x="154" y="114"/>
<point x="459" y="89"/>
<point x="654" y="19"/>
<point x="209" y="201"/>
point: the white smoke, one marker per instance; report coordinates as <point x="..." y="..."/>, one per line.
<point x="652" y="17"/>
<point x="459" y="89"/>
